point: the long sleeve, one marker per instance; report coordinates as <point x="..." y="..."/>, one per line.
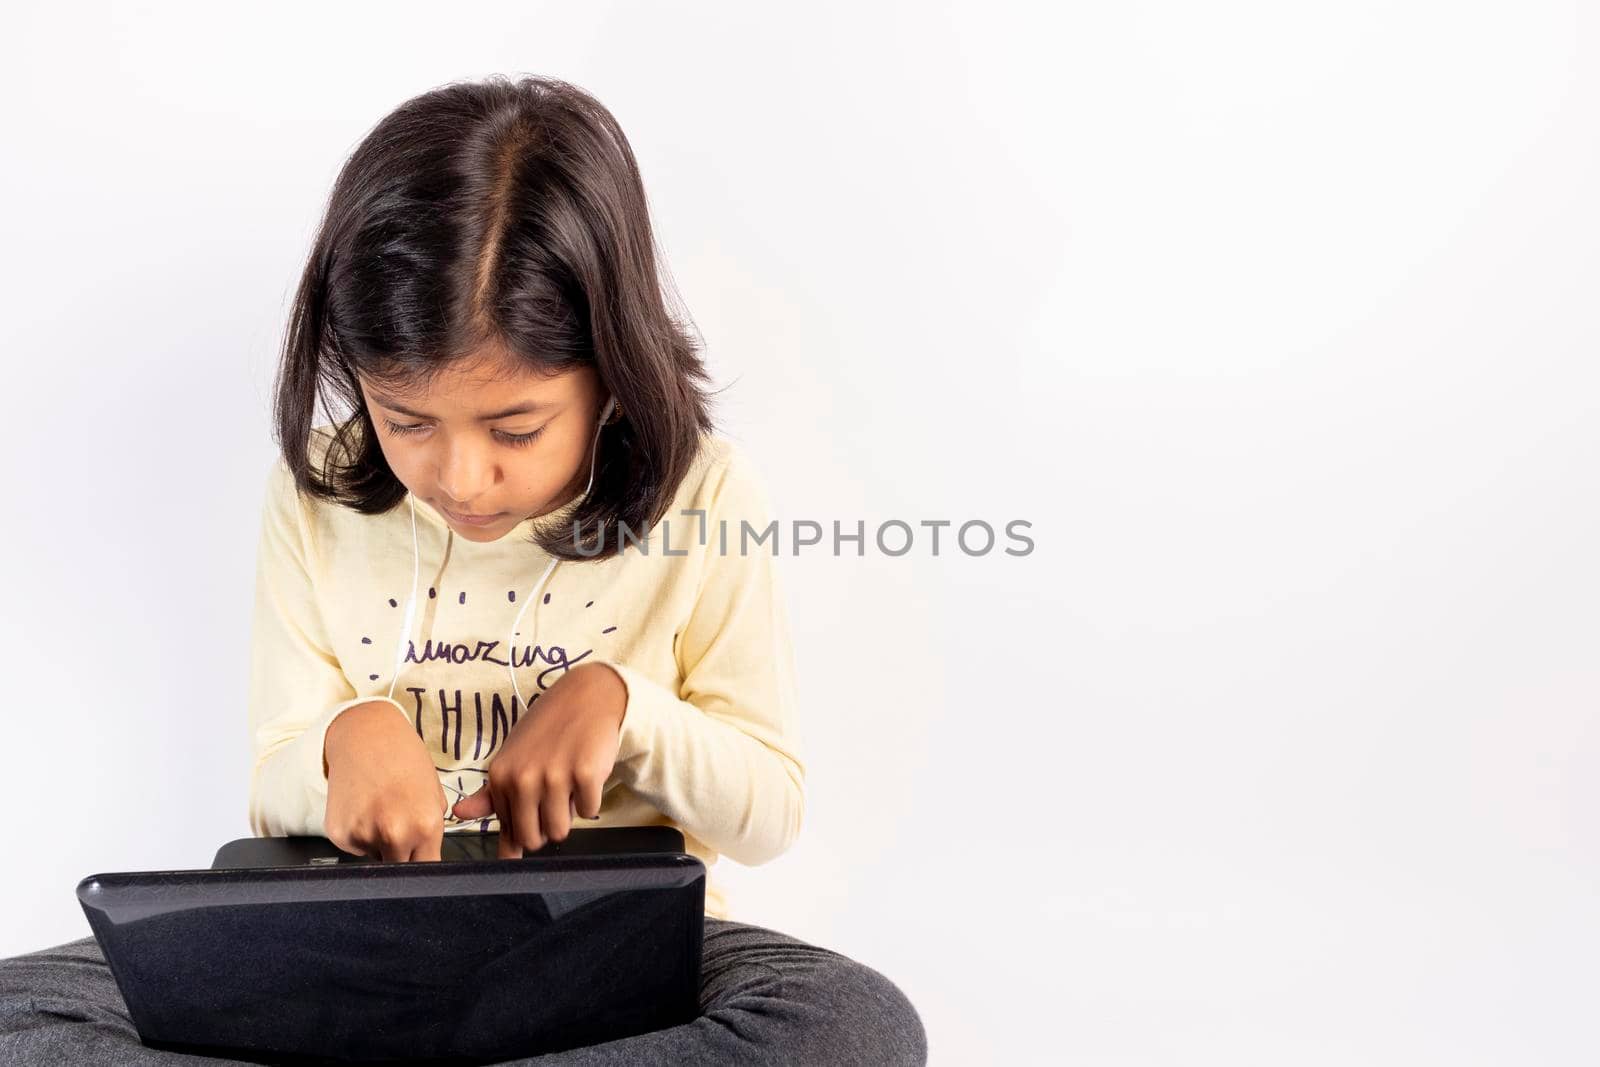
<point x="297" y="686"/>
<point x="720" y="756"/>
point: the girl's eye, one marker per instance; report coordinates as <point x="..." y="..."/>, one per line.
<point x="396" y="428"/>
<point x="520" y="439"/>
<point x="517" y="439"/>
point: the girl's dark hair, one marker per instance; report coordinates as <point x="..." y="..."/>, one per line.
<point x="494" y="212"/>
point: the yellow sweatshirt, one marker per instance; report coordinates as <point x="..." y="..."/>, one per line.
<point x="698" y="632"/>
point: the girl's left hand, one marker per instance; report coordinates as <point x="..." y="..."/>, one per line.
<point x="555" y="761"/>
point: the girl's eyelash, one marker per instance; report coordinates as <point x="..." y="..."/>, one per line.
<point x="521" y="438"/>
<point x="517" y="439"/>
<point x="396" y="428"/>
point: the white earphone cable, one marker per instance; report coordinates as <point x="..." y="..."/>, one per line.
<point x="594" y="456"/>
<point x="411" y="601"/>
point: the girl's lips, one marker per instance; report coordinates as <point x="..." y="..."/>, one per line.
<point x="472" y="520"/>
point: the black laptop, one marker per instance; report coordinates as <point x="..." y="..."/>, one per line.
<point x="289" y="950"/>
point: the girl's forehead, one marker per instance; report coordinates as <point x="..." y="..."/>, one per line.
<point x="477" y="383"/>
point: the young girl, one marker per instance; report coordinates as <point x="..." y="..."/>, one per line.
<point x="516" y="588"/>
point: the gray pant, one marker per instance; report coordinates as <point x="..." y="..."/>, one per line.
<point x="765" y="998"/>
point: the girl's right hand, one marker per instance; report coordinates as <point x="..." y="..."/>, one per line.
<point x="384" y="795"/>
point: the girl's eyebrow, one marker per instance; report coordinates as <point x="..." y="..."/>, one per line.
<point x="527" y="407"/>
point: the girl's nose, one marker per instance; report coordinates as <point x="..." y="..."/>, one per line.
<point x="464" y="476"/>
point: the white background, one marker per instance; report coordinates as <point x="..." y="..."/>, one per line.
<point x="1277" y="322"/>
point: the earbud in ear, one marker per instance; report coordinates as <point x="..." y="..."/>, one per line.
<point x="605" y="415"/>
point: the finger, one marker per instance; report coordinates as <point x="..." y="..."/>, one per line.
<point x="586" y="798"/>
<point x="391" y="850"/>
<point x="509" y="849"/>
<point x="365" y="845"/>
<point x="429" y="849"/>
<point x="555" y="811"/>
<point x="525" y="810"/>
<point x="475" y="806"/>
<point x="344" y="844"/>
<point x="428" y="839"/>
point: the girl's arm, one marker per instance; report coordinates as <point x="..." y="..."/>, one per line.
<point x="720" y="756"/>
<point x="296" y="684"/>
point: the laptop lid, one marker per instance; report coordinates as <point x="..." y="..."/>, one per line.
<point x="463" y="961"/>
<point x="252" y="852"/>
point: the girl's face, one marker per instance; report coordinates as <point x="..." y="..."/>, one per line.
<point x="489" y="439"/>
